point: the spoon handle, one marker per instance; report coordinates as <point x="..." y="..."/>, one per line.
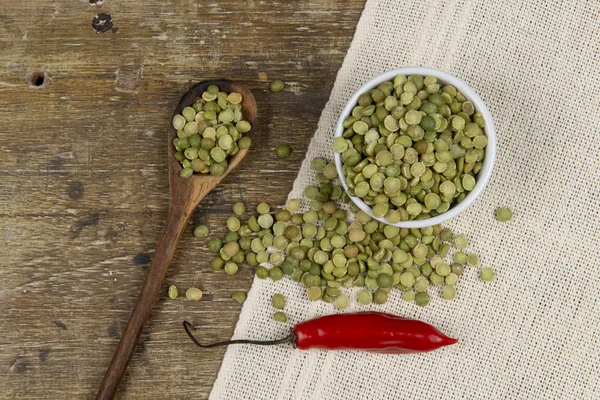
<point x="176" y="222"/>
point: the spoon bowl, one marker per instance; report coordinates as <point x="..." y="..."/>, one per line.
<point x="185" y="195"/>
<point x="193" y="95"/>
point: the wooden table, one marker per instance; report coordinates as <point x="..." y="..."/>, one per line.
<point x="84" y="191"/>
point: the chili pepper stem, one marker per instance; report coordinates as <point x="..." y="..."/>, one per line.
<point x="291" y="338"/>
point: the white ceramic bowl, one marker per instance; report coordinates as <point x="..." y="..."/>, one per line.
<point x="490" y="151"/>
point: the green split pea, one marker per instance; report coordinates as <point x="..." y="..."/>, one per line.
<point x="327" y="252"/>
<point x="503" y="214"/>
<point x="283" y="150"/>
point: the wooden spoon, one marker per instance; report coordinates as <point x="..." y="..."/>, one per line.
<point x="186" y="194"/>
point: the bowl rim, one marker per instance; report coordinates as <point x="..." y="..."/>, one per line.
<point x="490" y="152"/>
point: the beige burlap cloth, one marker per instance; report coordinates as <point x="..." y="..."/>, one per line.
<point x="534" y="332"/>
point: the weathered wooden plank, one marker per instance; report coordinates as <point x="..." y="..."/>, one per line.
<point x="83" y="190"/>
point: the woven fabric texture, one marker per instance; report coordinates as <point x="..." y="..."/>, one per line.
<point x="532" y="333"/>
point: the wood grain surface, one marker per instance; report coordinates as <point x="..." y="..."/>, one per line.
<point x="86" y="94"/>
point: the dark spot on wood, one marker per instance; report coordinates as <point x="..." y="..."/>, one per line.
<point x="145" y="338"/>
<point x="113" y="332"/>
<point x="75" y="190"/>
<point x="55" y="165"/>
<point x="112" y="300"/>
<point x="207" y="297"/>
<point x="44" y="353"/>
<point x="142" y="259"/>
<point x="141" y="346"/>
<point x="90" y="220"/>
<point x="19" y="365"/>
<point x="60" y="324"/>
<point x="96" y="2"/>
<point x="102" y="22"/>
<point x="37" y="79"/>
<point x="112" y="235"/>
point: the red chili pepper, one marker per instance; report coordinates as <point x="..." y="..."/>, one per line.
<point x="368" y="331"/>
